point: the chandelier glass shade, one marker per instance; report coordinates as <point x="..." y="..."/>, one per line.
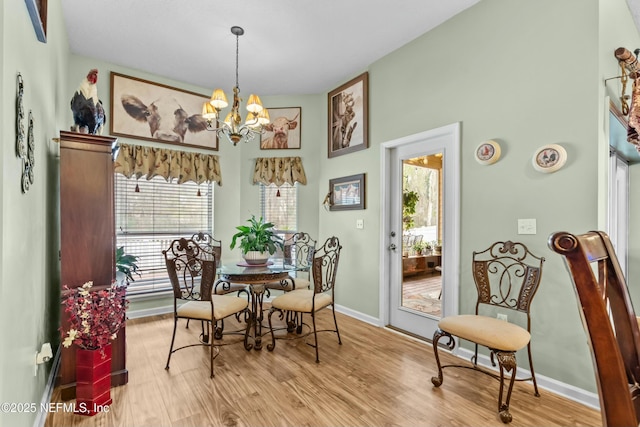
<point x="232" y="127"/>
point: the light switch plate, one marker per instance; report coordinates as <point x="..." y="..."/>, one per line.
<point x="527" y="226"/>
<point x="359" y="224"/>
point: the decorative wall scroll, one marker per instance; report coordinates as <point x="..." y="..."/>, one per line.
<point x="488" y="152"/>
<point x="549" y="158"/>
<point x="28" y="162"/>
<point x="25" y="152"/>
<point x="21" y="148"/>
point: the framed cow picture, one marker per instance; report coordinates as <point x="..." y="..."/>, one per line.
<point x="155" y="112"/>
<point x="284" y="130"/>
<point x="349" y="117"/>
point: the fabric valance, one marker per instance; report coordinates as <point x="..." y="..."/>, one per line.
<point x="278" y="170"/>
<point x="138" y="161"/>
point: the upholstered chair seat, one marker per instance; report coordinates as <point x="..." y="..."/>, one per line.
<point x="302" y="300"/>
<point x="223" y="306"/>
<point x="486" y="331"/>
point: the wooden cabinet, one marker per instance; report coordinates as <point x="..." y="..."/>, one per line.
<point x="419" y="264"/>
<point x="87" y="235"/>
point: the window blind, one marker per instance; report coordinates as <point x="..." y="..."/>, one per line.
<point x="281" y="210"/>
<point x="149" y="219"/>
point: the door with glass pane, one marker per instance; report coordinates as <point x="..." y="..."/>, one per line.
<point x="422" y="227"/>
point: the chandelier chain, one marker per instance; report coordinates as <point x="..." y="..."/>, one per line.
<point x="237" y="55"/>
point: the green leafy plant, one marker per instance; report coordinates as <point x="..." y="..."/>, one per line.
<point x="126" y="264"/>
<point x="258" y="236"/>
<point x="420" y="247"/>
<point x="409" y="201"/>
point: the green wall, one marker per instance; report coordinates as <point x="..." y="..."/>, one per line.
<point x="524" y="73"/>
<point x="29" y="284"/>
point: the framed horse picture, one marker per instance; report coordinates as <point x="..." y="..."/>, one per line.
<point x="349" y="117"/>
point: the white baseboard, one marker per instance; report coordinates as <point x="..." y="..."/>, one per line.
<point x="357" y="315"/>
<point x="41" y="416"/>
<point x="148" y="312"/>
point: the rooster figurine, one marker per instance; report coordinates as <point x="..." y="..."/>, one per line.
<point x="88" y="113"/>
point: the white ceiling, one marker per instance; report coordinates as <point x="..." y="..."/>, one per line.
<point x="289" y="46"/>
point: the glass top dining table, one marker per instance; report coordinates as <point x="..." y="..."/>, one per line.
<point x="256" y="277"/>
<point x="240" y="272"/>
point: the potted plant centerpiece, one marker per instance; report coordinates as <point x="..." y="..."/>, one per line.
<point x="258" y="241"/>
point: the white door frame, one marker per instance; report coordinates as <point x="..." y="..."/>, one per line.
<point x="451" y="248"/>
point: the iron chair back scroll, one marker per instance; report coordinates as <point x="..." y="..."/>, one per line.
<point x="209" y="244"/>
<point x="192" y="273"/>
<point x="507" y="276"/>
<point x="609" y="320"/>
<point x="213" y="247"/>
<point x="298" y="250"/>
<point x="310" y="301"/>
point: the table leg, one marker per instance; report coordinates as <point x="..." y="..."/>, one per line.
<point x="257" y="297"/>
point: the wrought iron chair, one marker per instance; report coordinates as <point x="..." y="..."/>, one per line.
<point x="310" y="301"/>
<point x="609" y="322"/>
<point x="213" y="247"/>
<point x="298" y="250"/>
<point x="507" y="276"/>
<point x="192" y="273"/>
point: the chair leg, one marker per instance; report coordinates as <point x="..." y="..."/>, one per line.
<point x="507" y="362"/>
<point x="173" y="338"/>
<point x="247" y="314"/>
<point x="299" y="320"/>
<point x="315" y="335"/>
<point x="291" y="320"/>
<point x="533" y="375"/>
<point x="336" y="323"/>
<point x="271" y="346"/>
<point x="474" y="358"/>
<point x="211" y="346"/>
<point x="218" y="329"/>
<point x="439" y="333"/>
<point x="205" y="335"/>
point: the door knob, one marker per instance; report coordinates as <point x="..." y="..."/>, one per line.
<point x="392" y="247"/>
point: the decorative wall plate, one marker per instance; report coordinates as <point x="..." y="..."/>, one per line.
<point x="549" y="158"/>
<point x="488" y="152"/>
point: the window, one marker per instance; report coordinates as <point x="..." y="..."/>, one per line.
<point x="282" y="209"/>
<point x="150" y="214"/>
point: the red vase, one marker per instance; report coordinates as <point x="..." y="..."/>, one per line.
<point x="93" y="380"/>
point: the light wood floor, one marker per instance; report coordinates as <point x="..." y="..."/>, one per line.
<point x="376" y="378"/>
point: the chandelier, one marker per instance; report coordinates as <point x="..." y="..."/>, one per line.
<point x="232" y="127"/>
